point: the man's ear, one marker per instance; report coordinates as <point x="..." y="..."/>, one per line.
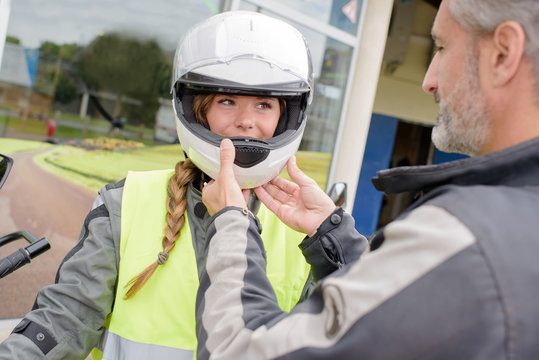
<point x="509" y="40"/>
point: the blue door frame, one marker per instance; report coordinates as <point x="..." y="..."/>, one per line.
<point x="378" y="151"/>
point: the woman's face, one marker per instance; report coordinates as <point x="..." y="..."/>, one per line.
<point x="248" y="116"/>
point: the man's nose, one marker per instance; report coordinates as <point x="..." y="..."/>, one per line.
<point x="430" y="82"/>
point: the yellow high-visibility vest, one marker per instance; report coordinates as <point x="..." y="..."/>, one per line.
<point x="159" y="321"/>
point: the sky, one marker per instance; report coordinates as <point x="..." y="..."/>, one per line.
<point x="80" y="21"/>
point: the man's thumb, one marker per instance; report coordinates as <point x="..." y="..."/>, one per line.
<point x="296" y="175"/>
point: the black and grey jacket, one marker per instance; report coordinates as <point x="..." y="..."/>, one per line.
<point x="455" y="277"/>
<point x="67" y="317"/>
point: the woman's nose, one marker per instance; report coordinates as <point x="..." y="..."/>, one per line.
<point x="245" y="118"/>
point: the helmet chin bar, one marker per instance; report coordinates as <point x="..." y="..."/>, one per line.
<point x="249" y="152"/>
<point x="262" y="160"/>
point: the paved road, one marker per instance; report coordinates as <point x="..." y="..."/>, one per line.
<point x="48" y="206"/>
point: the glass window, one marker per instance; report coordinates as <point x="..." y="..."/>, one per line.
<point x="343" y="14"/>
<point x="330" y="87"/>
<point x="331" y="65"/>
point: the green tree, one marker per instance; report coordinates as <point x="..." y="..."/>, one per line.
<point x="49" y="50"/>
<point x="65" y="52"/>
<point x="130" y="67"/>
<point x="68" y="52"/>
<point x="13" y="40"/>
<point x="66" y="88"/>
<point x="56" y="76"/>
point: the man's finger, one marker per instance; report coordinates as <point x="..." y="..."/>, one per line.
<point x="267" y="199"/>
<point x="246" y="193"/>
<point x="277" y="193"/>
<point x="286" y="186"/>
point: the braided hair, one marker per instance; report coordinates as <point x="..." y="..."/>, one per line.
<point x="184" y="172"/>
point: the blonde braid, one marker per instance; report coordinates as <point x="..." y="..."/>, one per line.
<point x="184" y="172"/>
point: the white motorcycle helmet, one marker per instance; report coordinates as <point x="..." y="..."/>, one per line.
<point x="243" y="53"/>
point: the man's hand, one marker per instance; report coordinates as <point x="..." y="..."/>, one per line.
<point x="224" y="191"/>
<point x="300" y="204"/>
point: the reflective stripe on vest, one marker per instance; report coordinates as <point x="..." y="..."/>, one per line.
<point x="160" y="319"/>
<point x="117" y="347"/>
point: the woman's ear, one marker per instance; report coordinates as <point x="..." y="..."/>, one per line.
<point x="508" y="40"/>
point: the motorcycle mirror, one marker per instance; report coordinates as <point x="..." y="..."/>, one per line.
<point x="337" y="193"/>
<point x="5" y="166"/>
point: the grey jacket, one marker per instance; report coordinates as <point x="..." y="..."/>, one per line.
<point x="67" y="316"/>
<point x="455" y="277"/>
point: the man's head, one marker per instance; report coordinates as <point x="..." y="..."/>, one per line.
<point x="482" y="17"/>
<point x="484" y="69"/>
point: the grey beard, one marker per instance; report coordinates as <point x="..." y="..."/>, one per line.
<point x="464" y="120"/>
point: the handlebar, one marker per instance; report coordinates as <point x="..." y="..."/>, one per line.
<point x="21" y="256"/>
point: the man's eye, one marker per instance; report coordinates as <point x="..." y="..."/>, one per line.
<point x="225" y="101"/>
<point x="438" y="48"/>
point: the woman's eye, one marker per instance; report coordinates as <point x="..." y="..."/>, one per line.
<point x="226" y="101"/>
<point x="264" y="105"/>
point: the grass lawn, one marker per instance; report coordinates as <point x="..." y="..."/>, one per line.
<point x="105" y="123"/>
<point x="10" y="146"/>
<point x="35" y="126"/>
<point x="29" y="125"/>
<point x="93" y="169"/>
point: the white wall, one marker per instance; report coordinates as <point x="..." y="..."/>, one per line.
<point x="399" y="93"/>
<point x="348" y="156"/>
<point x="4" y="18"/>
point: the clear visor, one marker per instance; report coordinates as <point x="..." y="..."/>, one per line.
<point x="246" y="49"/>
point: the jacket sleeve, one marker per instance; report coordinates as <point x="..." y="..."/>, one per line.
<point x="329" y="249"/>
<point x="333" y="245"/>
<point x="381" y="306"/>
<point x="67" y="316"/>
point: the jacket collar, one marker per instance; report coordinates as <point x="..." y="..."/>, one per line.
<point x="514" y="166"/>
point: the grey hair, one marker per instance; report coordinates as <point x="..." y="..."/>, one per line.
<point x="483" y="16"/>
